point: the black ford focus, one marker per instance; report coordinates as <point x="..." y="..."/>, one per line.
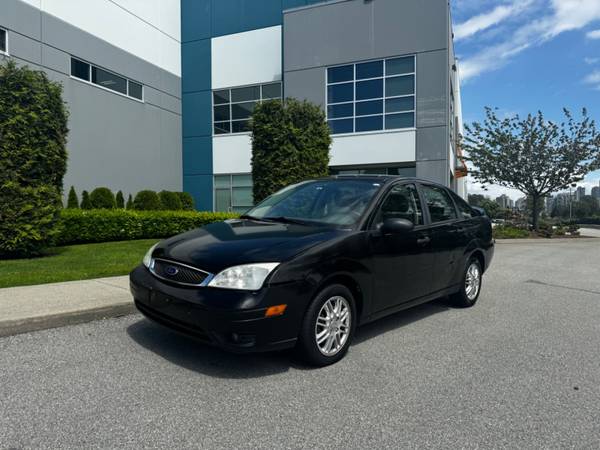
<point x="313" y="261"/>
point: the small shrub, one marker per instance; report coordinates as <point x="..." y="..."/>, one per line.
<point x="509" y="232"/>
<point x="72" y="200"/>
<point x="129" y="204"/>
<point x="146" y="201"/>
<point x="119" y="200"/>
<point x="102" y="198"/>
<point x="169" y="201"/>
<point x="85" y="200"/>
<point x="103" y="225"/>
<point x="187" y="201"/>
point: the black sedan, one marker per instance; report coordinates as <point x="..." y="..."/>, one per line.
<point x="313" y="261"/>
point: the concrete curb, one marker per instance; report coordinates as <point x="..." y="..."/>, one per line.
<point x="13" y="327"/>
<point x="546" y="240"/>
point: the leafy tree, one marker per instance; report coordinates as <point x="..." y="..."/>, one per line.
<point x="170" y="201"/>
<point x="477" y="199"/>
<point x="146" y="201"/>
<point x="290" y="143"/>
<point x="533" y="155"/>
<point x="119" y="200"/>
<point x="85" y="201"/>
<point x="187" y="201"/>
<point x="33" y="159"/>
<point x="129" y="204"/>
<point x="492" y="209"/>
<point x="72" y="200"/>
<point x="102" y="198"/>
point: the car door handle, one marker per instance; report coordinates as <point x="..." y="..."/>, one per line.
<point x="424" y="240"/>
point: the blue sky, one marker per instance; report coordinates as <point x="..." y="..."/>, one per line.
<point x="527" y="55"/>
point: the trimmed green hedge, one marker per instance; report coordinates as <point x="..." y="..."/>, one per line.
<point x="103" y="225"/>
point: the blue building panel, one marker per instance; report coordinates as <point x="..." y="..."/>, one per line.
<point x="196" y="20"/>
<point x="197" y="155"/>
<point x="236" y="16"/>
<point x="196" y="66"/>
<point x="201" y="188"/>
<point x="197" y="114"/>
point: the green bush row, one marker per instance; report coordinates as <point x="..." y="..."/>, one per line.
<point x="510" y="232"/>
<point x="147" y="200"/>
<point x="105" y="225"/>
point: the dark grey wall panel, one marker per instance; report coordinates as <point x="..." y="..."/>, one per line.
<point x="20" y="17"/>
<point x="432" y="143"/>
<point x="55" y="59"/>
<point x="25" y="47"/>
<point x="306" y="84"/>
<point x="432" y="88"/>
<point x="437" y="171"/>
<point x="341" y="32"/>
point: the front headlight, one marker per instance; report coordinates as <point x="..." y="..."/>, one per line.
<point x="148" y="257"/>
<point x="248" y="277"/>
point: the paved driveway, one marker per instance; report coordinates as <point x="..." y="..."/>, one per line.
<point x="520" y="370"/>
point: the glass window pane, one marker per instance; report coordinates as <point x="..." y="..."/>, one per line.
<point x="240" y="126"/>
<point x="136" y="90"/>
<point x="369" y="89"/>
<point x="371" y="123"/>
<point x="369" y="70"/>
<point x="368" y="108"/>
<point x="242" y="110"/>
<point x="403" y="171"/>
<point x="341" y="126"/>
<point x="220" y="97"/>
<point x="222" y="200"/>
<point x="401" y="203"/>
<point x="395" y="121"/>
<point x="439" y="204"/>
<point x="339" y="74"/>
<point x="339" y="93"/>
<point x="222" y="127"/>
<point x="109" y="80"/>
<point x="245" y="94"/>
<point x="400" y="86"/>
<point x="343" y="110"/>
<point x="221" y="113"/>
<point x="242" y="197"/>
<point x="80" y="70"/>
<point x="222" y="181"/>
<point x="270" y="91"/>
<point x="400" y="104"/>
<point x="3" y="42"/>
<point x="398" y="66"/>
<point x="244" y="180"/>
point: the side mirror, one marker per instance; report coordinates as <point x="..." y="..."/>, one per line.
<point x="480" y="211"/>
<point x="396" y="226"/>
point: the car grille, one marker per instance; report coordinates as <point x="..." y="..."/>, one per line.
<point x="178" y="273"/>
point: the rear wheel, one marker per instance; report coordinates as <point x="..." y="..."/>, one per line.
<point x="328" y="326"/>
<point x="470" y="287"/>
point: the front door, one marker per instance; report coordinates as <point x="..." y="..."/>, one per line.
<point x="401" y="263"/>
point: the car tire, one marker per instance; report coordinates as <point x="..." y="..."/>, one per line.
<point x="470" y="286"/>
<point x="326" y="325"/>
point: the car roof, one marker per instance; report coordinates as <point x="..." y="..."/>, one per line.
<point x="385" y="178"/>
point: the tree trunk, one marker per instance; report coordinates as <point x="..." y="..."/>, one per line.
<point x="535" y="212"/>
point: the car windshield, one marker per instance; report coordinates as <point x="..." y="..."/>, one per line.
<point x="331" y="202"/>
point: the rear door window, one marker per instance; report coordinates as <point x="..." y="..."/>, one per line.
<point x="440" y="205"/>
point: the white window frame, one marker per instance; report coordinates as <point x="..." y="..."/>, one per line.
<point x="5" y="51"/>
<point x="91" y="83"/>
<point x="231" y="187"/>
<point x="354" y="81"/>
<point x="230" y="104"/>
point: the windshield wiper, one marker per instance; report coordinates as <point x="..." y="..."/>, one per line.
<point x="284" y="219"/>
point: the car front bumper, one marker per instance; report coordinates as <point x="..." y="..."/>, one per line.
<point x="229" y="319"/>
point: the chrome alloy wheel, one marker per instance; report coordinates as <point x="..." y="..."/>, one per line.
<point x="473" y="281"/>
<point x="333" y="325"/>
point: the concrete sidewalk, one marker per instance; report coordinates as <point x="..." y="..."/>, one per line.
<point x="30" y="308"/>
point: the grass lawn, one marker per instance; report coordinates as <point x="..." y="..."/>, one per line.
<point x="75" y="262"/>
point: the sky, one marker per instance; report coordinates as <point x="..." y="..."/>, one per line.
<point x="521" y="56"/>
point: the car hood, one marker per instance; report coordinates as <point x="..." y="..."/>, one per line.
<point x="220" y="245"/>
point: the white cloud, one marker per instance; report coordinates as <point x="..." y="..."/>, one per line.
<point x="593" y="79"/>
<point x="595" y="34"/>
<point x="566" y="15"/>
<point x="591" y="61"/>
<point x="484" y="21"/>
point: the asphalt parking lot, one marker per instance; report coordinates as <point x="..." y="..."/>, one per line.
<point x="520" y="370"/>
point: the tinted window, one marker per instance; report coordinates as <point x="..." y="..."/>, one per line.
<point x="136" y="90"/>
<point x="404" y="120"/>
<point x="339" y="74"/>
<point x="401" y="203"/>
<point x="109" y="80"/>
<point x="80" y="70"/>
<point x="439" y="204"/>
<point x="369" y="70"/>
<point x="3" y="41"/>
<point x="245" y="94"/>
<point x="341" y="126"/>
<point x="369" y="123"/>
<point x="271" y="91"/>
<point x="399" y="66"/>
<point x="339" y="93"/>
<point x="464" y="210"/>
<point x="342" y="110"/>
<point x="400" y="86"/>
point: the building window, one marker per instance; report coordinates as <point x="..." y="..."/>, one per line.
<point x="232" y="108"/>
<point x="3" y="41"/>
<point x="410" y="171"/>
<point x="372" y="96"/>
<point x="108" y="80"/>
<point x="233" y="192"/>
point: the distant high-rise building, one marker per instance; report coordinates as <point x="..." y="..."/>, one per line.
<point x="579" y="193"/>
<point x="596" y="192"/>
<point x="505" y="201"/>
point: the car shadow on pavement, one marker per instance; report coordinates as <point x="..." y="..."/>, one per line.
<point x="201" y="358"/>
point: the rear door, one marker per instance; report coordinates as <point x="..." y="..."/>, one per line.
<point x="401" y="263"/>
<point x="446" y="239"/>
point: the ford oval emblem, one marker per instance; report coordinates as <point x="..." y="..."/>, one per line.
<point x="171" y="271"/>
